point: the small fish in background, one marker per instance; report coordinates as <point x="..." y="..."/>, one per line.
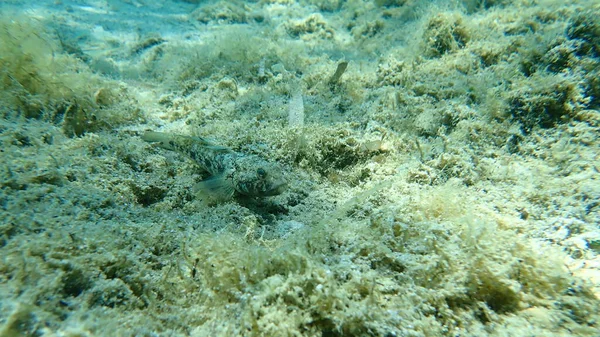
<point x="231" y="172"/>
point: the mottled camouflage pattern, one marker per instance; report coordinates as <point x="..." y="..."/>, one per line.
<point x="231" y="171"/>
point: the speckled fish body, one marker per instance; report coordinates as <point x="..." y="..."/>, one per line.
<point x="231" y="172"/>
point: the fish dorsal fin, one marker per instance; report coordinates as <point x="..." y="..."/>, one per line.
<point x="209" y="145"/>
<point x="174" y="142"/>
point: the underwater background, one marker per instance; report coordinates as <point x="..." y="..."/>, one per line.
<point x="441" y="159"/>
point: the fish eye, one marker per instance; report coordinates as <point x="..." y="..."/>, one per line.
<point x="261" y="172"/>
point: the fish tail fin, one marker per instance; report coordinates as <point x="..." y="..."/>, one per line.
<point x="164" y="140"/>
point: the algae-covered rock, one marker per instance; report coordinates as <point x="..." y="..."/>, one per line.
<point x="445" y="185"/>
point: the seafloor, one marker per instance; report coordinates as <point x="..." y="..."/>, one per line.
<point x="446" y="184"/>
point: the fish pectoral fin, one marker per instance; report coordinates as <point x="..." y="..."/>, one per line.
<point x="217" y="188"/>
